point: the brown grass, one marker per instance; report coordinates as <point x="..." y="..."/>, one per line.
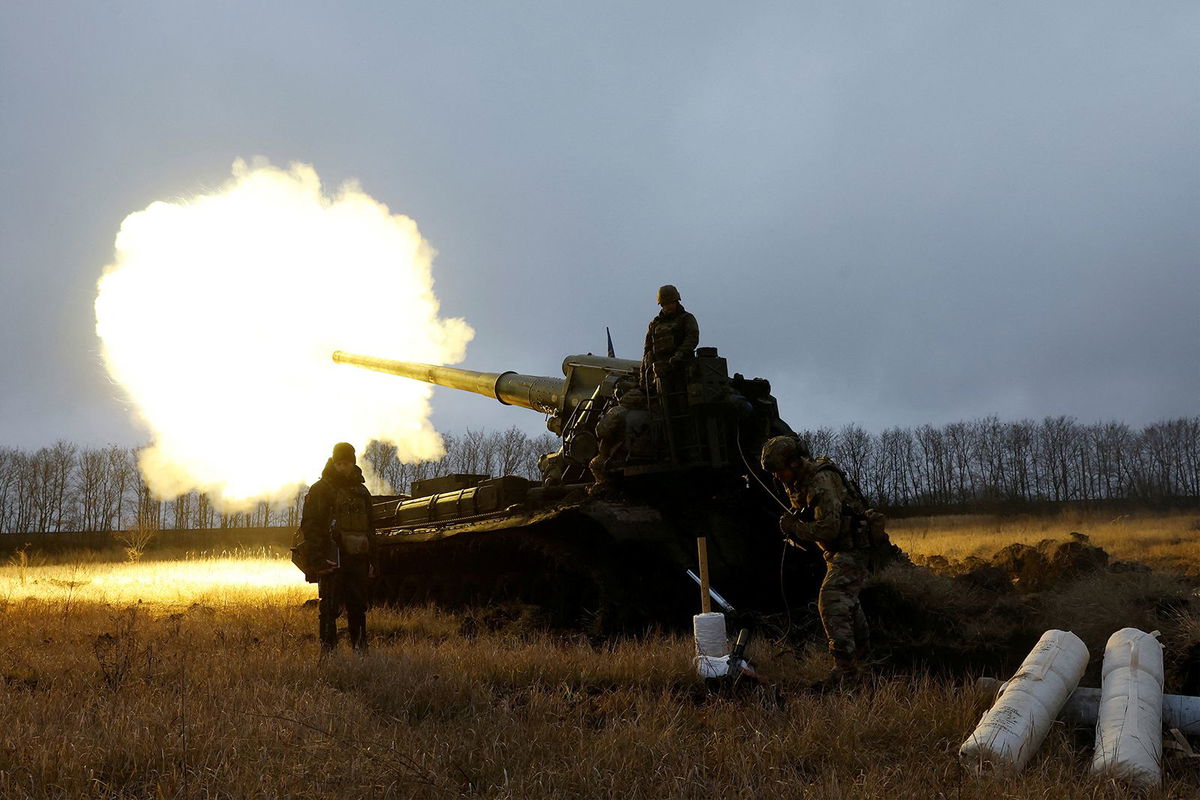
<point x="145" y="680"/>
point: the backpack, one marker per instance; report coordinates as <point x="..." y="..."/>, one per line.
<point x="868" y="527"/>
<point x="300" y="555"/>
<point x="312" y="565"/>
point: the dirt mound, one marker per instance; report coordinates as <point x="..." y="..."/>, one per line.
<point x="921" y="620"/>
<point x="1028" y="568"/>
<point x="988" y="578"/>
<point x="979" y="616"/>
<point x="1049" y="562"/>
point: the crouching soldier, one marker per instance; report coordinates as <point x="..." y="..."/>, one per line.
<point x="338" y="536"/>
<point x="829" y="510"/>
<point x="623" y="437"/>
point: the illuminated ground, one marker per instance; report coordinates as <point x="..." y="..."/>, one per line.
<point x="167" y="583"/>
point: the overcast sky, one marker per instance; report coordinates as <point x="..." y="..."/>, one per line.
<point x="899" y="213"/>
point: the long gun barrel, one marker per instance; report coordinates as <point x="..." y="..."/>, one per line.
<point x="510" y="388"/>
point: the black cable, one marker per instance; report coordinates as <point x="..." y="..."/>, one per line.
<point x="738" y="437"/>
<point x="783" y="555"/>
<point x="787" y="607"/>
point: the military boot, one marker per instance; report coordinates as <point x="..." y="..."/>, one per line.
<point x="359" y="639"/>
<point x="327" y="633"/>
<point x="846" y="673"/>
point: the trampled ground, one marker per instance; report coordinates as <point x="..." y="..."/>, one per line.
<point x="200" y="677"/>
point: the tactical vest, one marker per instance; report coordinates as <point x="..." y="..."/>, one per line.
<point x="862" y="528"/>
<point x="352" y="523"/>
<point x="855" y="501"/>
<point x="667" y="334"/>
<point x="851" y="513"/>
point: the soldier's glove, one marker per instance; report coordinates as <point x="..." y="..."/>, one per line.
<point x="676" y="359"/>
<point x="791" y="539"/>
<point x="790" y="525"/>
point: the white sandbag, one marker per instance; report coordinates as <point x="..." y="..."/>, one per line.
<point x="712" y="666"/>
<point x="1012" y="730"/>
<point x="1129" y="725"/>
<point x="711" y="638"/>
<point x="1083" y="707"/>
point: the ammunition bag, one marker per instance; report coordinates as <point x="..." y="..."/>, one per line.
<point x="355" y="543"/>
<point x="864" y="530"/>
<point x="854" y="534"/>
<point x="302" y="557"/>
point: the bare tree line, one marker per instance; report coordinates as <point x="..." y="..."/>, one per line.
<point x="989" y="461"/>
<point x="475" y="452"/>
<point x="69" y="488"/>
<point x="65" y="487"/>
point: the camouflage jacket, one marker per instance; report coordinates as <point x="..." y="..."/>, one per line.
<point x="625" y="433"/>
<point x="610" y="431"/>
<point x="830" y="508"/>
<point x="671" y="336"/>
<point x="338" y="518"/>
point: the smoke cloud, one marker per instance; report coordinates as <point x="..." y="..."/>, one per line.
<point x="218" y="316"/>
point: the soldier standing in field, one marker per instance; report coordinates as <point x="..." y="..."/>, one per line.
<point x="338" y="535"/>
<point x="829" y="510"/>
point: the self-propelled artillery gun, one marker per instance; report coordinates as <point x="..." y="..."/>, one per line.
<point x="604" y="541"/>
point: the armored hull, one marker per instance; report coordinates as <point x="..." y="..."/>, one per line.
<point x="617" y="563"/>
<point x="604" y="542"/>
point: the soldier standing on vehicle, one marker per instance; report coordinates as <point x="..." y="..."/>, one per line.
<point x="670" y="347"/>
<point x="338" y="533"/>
<point x="670" y="343"/>
<point x="829" y="510"/>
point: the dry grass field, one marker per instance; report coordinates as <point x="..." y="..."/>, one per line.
<point x="199" y="677"/>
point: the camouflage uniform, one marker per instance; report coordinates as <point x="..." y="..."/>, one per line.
<point x="670" y="347"/>
<point x="337" y="525"/>
<point x="670" y="341"/>
<point x="836" y="510"/>
<point x="552" y="467"/>
<point x="623" y="434"/>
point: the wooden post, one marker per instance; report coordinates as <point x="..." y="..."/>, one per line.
<point x="705" y="600"/>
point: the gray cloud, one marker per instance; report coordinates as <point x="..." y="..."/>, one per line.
<point x="898" y="214"/>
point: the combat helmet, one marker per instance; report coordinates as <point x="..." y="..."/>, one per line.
<point x="667" y="294"/>
<point x="780" y="451"/>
